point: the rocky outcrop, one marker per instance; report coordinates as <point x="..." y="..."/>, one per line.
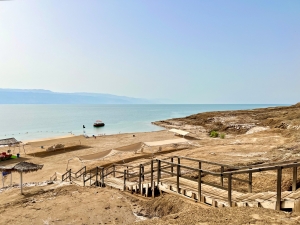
<point x="239" y="121"/>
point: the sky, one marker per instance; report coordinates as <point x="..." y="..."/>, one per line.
<point x="196" y="51"/>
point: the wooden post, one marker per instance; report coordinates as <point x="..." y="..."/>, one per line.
<point x="131" y="187"/>
<point x="279" y="177"/>
<point x="143" y="170"/>
<point x="127" y="173"/>
<point x="90" y="177"/>
<point x="294" y="187"/>
<point x="21" y="177"/>
<point x="70" y="175"/>
<point x="147" y="190"/>
<point x="83" y="180"/>
<point x="222" y="178"/>
<point x="250" y="182"/>
<point x="178" y="175"/>
<point x="152" y="187"/>
<point x="296" y="206"/>
<point x="124" y="186"/>
<point x="179" y="167"/>
<point x="140" y="178"/>
<point x="158" y="171"/>
<point x="97" y="175"/>
<point x="102" y="177"/>
<point x="172" y="172"/>
<point x="199" y="185"/>
<point x="229" y="189"/>
<point x="114" y="170"/>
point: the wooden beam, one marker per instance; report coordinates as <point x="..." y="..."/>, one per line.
<point x="140" y="177"/>
<point x="179" y="167"/>
<point x="97" y="175"/>
<point x="152" y="187"/>
<point x="250" y="183"/>
<point x="284" y="166"/>
<point x="278" y="198"/>
<point x="21" y="181"/>
<point x="222" y="178"/>
<point x="229" y="190"/>
<point x="178" y="175"/>
<point x="294" y="186"/>
<point x="124" y="184"/>
<point x="172" y="172"/>
<point x="296" y="206"/>
<point x="164" y="171"/>
<point x="143" y="170"/>
<point x="158" y="171"/>
<point x="212" y="163"/>
<point x="102" y="177"/>
<point x="199" y="185"/>
<point x="193" y="169"/>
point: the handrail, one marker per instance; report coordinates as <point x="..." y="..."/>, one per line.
<point x="270" y="164"/>
<point x="191" y="168"/>
<point x="66" y="173"/>
<point x="83" y="168"/>
<point x="167" y="167"/>
<point x="53" y="177"/>
<point x="93" y="175"/>
<point x="207" y="162"/>
<point x="284" y="166"/>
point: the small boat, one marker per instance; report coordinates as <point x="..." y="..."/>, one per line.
<point x="99" y="123"/>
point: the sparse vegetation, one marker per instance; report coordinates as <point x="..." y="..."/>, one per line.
<point x="213" y="134"/>
<point x="222" y="135"/>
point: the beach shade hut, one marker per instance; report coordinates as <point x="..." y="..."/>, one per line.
<point x="10" y="142"/>
<point x="22" y="167"/>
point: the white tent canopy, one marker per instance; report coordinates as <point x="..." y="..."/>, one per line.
<point x="133" y="147"/>
<point x="165" y="142"/>
<point x="181" y="132"/>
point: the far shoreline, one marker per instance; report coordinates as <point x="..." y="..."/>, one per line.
<point x="21" y="135"/>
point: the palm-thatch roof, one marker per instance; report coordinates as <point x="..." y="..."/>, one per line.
<point x="9" y="141"/>
<point x="25" y="167"/>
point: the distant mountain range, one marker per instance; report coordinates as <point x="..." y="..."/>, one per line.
<point x="39" y="96"/>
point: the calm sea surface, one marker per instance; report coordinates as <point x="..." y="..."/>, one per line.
<point x="27" y="122"/>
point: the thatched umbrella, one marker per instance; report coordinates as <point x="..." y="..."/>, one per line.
<point x="22" y="167"/>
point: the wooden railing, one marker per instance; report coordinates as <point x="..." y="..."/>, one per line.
<point x="80" y="172"/>
<point x="94" y="173"/>
<point x="167" y="166"/>
<point x="278" y="168"/>
<point x="67" y="175"/>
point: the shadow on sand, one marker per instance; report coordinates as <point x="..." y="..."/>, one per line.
<point x="58" y="151"/>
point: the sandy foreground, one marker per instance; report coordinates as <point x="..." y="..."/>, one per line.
<point x="62" y="203"/>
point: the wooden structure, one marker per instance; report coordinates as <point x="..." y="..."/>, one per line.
<point x="175" y="176"/>
<point x="22" y="167"/>
<point x="11" y="142"/>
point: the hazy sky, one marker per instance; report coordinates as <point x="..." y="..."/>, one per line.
<point x="202" y="51"/>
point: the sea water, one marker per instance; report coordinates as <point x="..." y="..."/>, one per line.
<point x="28" y="122"/>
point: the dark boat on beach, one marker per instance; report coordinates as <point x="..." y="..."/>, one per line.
<point x="99" y="123"/>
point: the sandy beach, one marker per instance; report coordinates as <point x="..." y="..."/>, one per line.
<point x="65" y="203"/>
